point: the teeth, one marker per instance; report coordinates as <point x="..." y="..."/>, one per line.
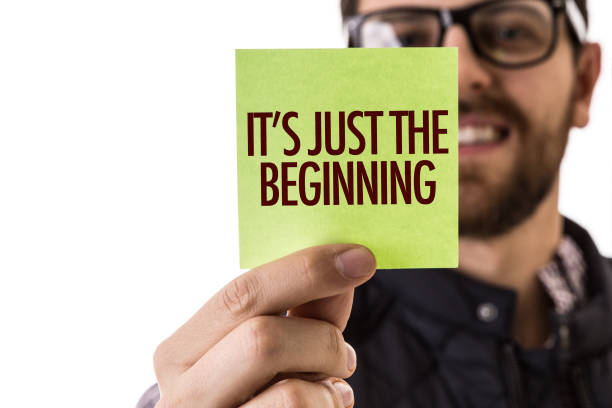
<point x="470" y="135"/>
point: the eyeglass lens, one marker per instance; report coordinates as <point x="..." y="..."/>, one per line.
<point x="401" y="29"/>
<point x="510" y="32"/>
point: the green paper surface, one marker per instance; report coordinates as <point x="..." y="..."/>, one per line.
<point x="306" y="81"/>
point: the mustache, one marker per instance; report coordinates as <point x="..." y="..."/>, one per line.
<point x="500" y="106"/>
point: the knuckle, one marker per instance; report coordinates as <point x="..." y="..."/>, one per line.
<point x="166" y="402"/>
<point x="180" y="396"/>
<point x="329" y="395"/>
<point x="239" y="297"/>
<point x="161" y="356"/>
<point x="335" y="340"/>
<point x="163" y="403"/>
<point x="295" y="393"/>
<point x="260" y="339"/>
<point x="292" y="395"/>
<point x="333" y="397"/>
<point x="308" y="264"/>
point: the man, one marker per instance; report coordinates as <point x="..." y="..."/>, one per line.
<point x="525" y="321"/>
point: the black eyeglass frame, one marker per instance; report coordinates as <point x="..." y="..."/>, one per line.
<point x="448" y="17"/>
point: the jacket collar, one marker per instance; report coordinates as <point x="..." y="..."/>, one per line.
<point x="590" y="327"/>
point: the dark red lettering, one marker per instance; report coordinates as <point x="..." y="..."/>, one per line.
<point x="318" y="138"/>
<point x="269" y="183"/>
<point x="340" y="181"/>
<point x="412" y="129"/>
<point x="430" y="184"/>
<point x="291" y="133"/>
<point x="437" y="132"/>
<point x="351" y="125"/>
<point x="402" y="182"/>
<point x="383" y="182"/>
<point x="370" y="182"/>
<point x="316" y="186"/>
<point x="398" y="129"/>
<point x="373" y="115"/>
<point x="286" y="183"/>
<point x="263" y="116"/>
<point x="341" y="134"/>
<point x="250" y="135"/>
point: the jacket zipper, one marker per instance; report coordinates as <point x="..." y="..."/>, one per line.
<point x="576" y="373"/>
<point x="512" y="375"/>
<point x="582" y="394"/>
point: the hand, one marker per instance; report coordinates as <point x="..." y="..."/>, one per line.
<point x="238" y="349"/>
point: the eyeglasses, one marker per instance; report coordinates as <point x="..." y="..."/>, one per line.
<point x="508" y="33"/>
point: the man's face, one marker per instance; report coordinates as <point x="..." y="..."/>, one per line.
<point x="526" y="112"/>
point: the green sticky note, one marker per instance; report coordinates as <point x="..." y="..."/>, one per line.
<point x="348" y="145"/>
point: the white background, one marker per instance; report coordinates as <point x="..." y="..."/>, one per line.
<point x="118" y="210"/>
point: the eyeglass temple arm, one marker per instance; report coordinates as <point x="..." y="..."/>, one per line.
<point x="577" y="20"/>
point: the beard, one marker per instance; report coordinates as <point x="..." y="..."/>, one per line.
<point x="499" y="205"/>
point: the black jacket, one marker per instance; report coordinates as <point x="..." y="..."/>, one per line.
<point x="422" y="341"/>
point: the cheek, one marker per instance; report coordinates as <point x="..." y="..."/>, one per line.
<point x="542" y="92"/>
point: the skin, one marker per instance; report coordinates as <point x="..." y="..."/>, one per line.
<point x="238" y="350"/>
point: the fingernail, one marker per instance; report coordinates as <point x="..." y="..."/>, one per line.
<point x="345" y="392"/>
<point x="351" y="357"/>
<point x="355" y="263"/>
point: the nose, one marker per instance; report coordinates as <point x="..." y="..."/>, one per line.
<point x="474" y="77"/>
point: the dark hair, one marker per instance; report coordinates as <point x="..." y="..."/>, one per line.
<point x="349" y="8"/>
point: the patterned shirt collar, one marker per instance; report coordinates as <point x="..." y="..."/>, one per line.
<point x="564" y="277"/>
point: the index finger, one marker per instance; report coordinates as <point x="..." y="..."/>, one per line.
<point x="310" y="274"/>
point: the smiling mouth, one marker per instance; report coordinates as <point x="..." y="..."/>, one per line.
<point x="482" y="135"/>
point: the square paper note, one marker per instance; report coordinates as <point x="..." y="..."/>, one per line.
<point x="348" y="145"/>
